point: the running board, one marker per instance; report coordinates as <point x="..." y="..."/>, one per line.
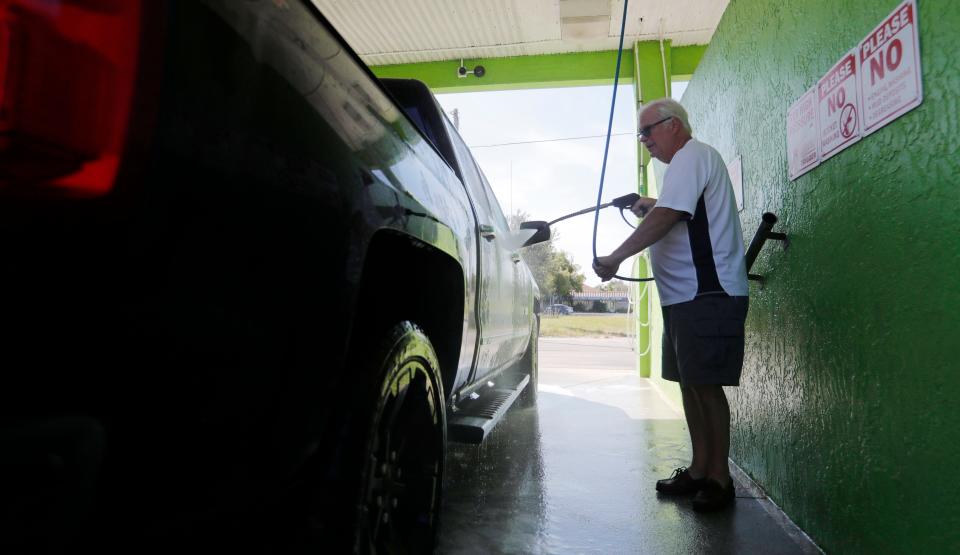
<point x="474" y="417"/>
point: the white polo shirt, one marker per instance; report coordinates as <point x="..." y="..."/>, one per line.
<point x="703" y="254"/>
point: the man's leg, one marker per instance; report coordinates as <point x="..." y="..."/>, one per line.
<point x="690" y="480"/>
<point x="697" y="427"/>
<point x="715" y="418"/>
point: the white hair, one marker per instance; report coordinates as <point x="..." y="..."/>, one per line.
<point x="668" y="108"/>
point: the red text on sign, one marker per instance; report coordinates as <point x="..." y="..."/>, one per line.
<point x="837" y="100"/>
<point x="890" y="62"/>
<point x="885" y="32"/>
<point x="836" y="77"/>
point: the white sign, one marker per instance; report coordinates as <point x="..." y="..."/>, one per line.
<point x="802" y="135"/>
<point x="890" y="80"/>
<point x="839" y="107"/>
<point x="735" y="169"/>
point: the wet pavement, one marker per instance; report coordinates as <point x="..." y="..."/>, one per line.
<point x="576" y="474"/>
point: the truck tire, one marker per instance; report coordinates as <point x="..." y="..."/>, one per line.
<point x="529" y="366"/>
<point x="403" y="456"/>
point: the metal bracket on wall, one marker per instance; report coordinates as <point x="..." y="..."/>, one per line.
<point x="764" y="232"/>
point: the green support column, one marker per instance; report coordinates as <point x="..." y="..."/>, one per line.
<point x="651" y="81"/>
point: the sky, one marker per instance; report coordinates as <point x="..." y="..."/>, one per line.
<point x="551" y="178"/>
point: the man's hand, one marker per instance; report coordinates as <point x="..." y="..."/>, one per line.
<point x="606" y="266"/>
<point x="657" y="224"/>
<point x="642" y="206"/>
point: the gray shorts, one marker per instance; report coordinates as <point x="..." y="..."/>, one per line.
<point x="703" y="340"/>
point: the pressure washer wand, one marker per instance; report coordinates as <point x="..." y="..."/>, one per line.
<point x="626" y="201"/>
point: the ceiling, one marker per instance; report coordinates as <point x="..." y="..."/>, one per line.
<point x="386" y="32"/>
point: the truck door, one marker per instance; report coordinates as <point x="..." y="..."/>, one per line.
<point x="519" y="311"/>
<point x="498" y="270"/>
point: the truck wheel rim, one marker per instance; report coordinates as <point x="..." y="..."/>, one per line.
<point x="404" y="464"/>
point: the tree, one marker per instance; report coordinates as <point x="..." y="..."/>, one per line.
<point x="553" y="270"/>
<point x="564" y="276"/>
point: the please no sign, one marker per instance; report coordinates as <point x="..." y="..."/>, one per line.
<point x="889" y="59"/>
<point x="869" y="87"/>
<point x="839" y="106"/>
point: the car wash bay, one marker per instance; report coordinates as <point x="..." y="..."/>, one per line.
<point x="576" y="473"/>
<point x="846" y="410"/>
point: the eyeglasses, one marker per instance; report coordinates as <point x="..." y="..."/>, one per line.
<point x="645" y="131"/>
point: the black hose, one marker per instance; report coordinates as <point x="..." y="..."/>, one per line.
<point x="606" y="148"/>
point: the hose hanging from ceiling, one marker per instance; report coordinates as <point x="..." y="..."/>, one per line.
<point x="606" y="148"/>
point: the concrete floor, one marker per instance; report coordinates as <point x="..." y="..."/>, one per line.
<point x="577" y="474"/>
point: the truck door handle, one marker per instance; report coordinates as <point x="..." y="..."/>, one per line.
<point x="486" y="231"/>
<point x="515" y="257"/>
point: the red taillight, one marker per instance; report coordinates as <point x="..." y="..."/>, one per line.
<point x="67" y="71"/>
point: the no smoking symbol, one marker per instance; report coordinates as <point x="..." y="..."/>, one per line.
<point x="848" y="120"/>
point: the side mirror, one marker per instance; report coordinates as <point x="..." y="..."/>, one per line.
<point x="541" y="232"/>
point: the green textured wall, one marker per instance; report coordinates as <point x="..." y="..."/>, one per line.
<point x="848" y="409"/>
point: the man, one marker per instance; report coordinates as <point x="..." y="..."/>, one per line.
<point x="696" y="250"/>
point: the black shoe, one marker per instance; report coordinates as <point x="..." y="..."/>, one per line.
<point x="680" y="483"/>
<point x="713" y="496"/>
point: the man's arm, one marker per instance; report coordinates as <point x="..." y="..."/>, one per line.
<point x="651" y="229"/>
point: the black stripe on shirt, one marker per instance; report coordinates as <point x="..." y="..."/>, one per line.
<point x="698" y="230"/>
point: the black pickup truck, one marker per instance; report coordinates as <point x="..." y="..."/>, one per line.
<point x="248" y="291"/>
